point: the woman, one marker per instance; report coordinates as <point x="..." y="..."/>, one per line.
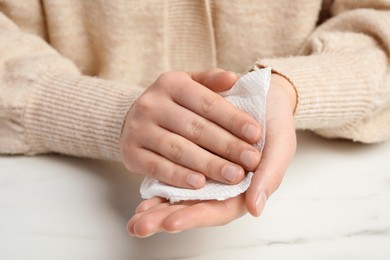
<point x="74" y="73"/>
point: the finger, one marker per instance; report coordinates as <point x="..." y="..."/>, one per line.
<point x="277" y="155"/>
<point x="209" y="136"/>
<point x="205" y="214"/>
<point x="149" y="203"/>
<point x="150" y="222"/>
<point x="139" y="215"/>
<point x="183" y="152"/>
<point x="215" y="108"/>
<point x="216" y="79"/>
<point x="150" y="164"/>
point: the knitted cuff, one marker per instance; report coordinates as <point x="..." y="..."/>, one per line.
<point x="78" y="115"/>
<point x="329" y="92"/>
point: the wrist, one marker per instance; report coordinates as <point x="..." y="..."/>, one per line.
<point x="283" y="83"/>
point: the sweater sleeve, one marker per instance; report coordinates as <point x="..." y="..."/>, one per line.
<point x="342" y="73"/>
<point x="46" y="105"/>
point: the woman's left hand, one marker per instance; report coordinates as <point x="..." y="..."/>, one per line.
<point x="157" y="215"/>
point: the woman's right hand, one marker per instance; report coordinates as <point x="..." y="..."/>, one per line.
<point x="180" y="132"/>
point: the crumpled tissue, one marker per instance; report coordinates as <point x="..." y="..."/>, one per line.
<point x="248" y="94"/>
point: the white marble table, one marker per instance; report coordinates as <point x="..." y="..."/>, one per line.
<point x="334" y="204"/>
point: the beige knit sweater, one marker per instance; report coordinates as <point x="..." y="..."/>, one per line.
<point x="70" y="69"/>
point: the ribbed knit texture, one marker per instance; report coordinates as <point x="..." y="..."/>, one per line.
<point x="330" y="105"/>
<point x="78" y="115"/>
<point x="190" y="46"/>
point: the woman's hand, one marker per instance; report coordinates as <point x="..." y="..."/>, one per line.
<point x="180" y="132"/>
<point x="156" y="214"/>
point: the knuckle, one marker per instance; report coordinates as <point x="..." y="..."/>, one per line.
<point x="175" y="151"/>
<point x="234" y="120"/>
<point x="208" y="103"/>
<point x="174" y="177"/>
<point x="152" y="169"/>
<point x="159" y="142"/>
<point x="143" y="104"/>
<point x="231" y="148"/>
<point x="209" y="168"/>
<point x="197" y="128"/>
<point x="166" y="78"/>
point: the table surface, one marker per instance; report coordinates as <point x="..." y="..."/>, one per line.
<point x="334" y="203"/>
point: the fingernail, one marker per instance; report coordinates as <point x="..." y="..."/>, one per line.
<point x="260" y="203"/>
<point x="193" y="180"/>
<point x="250" y="131"/>
<point x="230" y="173"/>
<point x="248" y="158"/>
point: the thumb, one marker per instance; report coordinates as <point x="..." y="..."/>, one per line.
<point x="279" y="149"/>
<point x="215" y="79"/>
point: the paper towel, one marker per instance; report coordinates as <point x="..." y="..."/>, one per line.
<point x="248" y="94"/>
